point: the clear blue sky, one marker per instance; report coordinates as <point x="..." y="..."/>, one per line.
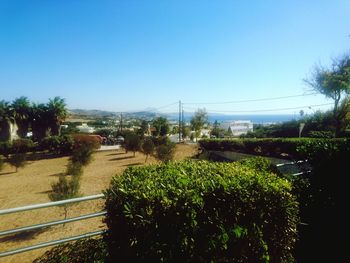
<point x="132" y="55"/>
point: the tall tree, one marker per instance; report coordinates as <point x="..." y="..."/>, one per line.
<point x="333" y="82"/>
<point x="57" y="112"/>
<point x="39" y="119"/>
<point x="198" y="121"/>
<point x="162" y="126"/>
<point x="21" y="107"/>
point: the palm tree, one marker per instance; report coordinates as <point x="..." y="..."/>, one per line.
<point x="39" y="119"/>
<point x="57" y="112"/>
<point x="22" y="107"/>
<point x="6" y="118"/>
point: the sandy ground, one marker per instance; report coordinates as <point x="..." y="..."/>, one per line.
<point x="31" y="185"/>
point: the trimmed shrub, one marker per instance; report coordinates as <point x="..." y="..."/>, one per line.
<point x="165" y="152"/>
<point x="132" y="142"/>
<point x="92" y="141"/>
<point x="58" y="144"/>
<point x="200" y="212"/>
<point x="324" y="211"/>
<point x="17" y="160"/>
<point x="5" y="148"/>
<point x="147" y="147"/>
<point x="81" y="251"/>
<point x="22" y="145"/>
<point x="274" y="147"/>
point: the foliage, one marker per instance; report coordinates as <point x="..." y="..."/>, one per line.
<point x="17" y="160"/>
<point x="5" y="148"/>
<point x="74" y="168"/>
<point x="92" y="250"/>
<point x="90" y="141"/>
<point x="147" y="147"/>
<point x="165" y="152"/>
<point x="82" y="154"/>
<point x="276" y="147"/>
<point x="200" y="212"/>
<point x="199" y="119"/>
<point x="57" y="113"/>
<point x="58" y="144"/>
<point x="22" y="145"/>
<point x="132" y="142"/>
<point x="21" y="107"/>
<point x="328" y="198"/>
<point x="334" y="83"/>
<point x="162" y="126"/>
<point x="65" y="188"/>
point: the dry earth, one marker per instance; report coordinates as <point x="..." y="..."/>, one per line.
<point x="31" y="185"/>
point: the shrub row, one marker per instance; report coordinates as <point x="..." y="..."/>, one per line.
<point x="274" y="147"/>
<point x="55" y="144"/>
<point x="200" y="212"/>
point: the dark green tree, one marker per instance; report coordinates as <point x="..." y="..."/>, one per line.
<point x="147" y="147"/>
<point x="17" y="160"/>
<point x="165" y="152"/>
<point x="132" y="143"/>
<point x="162" y="126"/>
<point x="39" y="118"/>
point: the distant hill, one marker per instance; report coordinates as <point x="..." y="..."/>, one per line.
<point x="101" y="113"/>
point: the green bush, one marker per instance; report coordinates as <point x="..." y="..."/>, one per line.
<point x="22" y="145"/>
<point x="200" y="212"/>
<point x="17" y="160"/>
<point x="324" y="211"/>
<point x="82" y="251"/>
<point x="165" y="152"/>
<point x="58" y="144"/>
<point x="274" y="147"/>
<point x="5" y="148"/>
<point x="16" y="146"/>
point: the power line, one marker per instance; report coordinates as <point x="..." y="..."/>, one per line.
<point x="252" y="100"/>
<point x="265" y="110"/>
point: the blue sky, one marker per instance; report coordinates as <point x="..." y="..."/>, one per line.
<point x="134" y="55"/>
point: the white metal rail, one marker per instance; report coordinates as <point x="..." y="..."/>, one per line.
<point x="52" y="223"/>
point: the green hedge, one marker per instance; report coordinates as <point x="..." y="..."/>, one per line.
<point x="326" y="203"/>
<point x="200" y="212"/>
<point x="274" y="147"/>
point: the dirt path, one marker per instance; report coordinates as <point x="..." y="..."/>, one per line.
<point x="31" y="185"/>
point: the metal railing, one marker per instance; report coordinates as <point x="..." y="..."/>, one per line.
<point x="52" y="223"/>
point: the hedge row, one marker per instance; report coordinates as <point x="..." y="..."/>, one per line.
<point x="200" y="212"/>
<point x="54" y="144"/>
<point x="273" y="147"/>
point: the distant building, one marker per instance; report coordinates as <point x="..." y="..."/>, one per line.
<point x="85" y="128"/>
<point x="237" y="128"/>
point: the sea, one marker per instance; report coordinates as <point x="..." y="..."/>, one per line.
<point x="256" y="119"/>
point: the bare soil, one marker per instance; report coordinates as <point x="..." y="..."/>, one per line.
<point x="32" y="184"/>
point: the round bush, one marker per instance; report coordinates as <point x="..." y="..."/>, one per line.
<point x="200" y="212"/>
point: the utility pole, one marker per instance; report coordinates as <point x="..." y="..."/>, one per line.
<point x="121" y="122"/>
<point x="183" y="122"/>
<point x="179" y="120"/>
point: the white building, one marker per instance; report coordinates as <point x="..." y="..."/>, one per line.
<point x="85" y="128"/>
<point x="240" y="127"/>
